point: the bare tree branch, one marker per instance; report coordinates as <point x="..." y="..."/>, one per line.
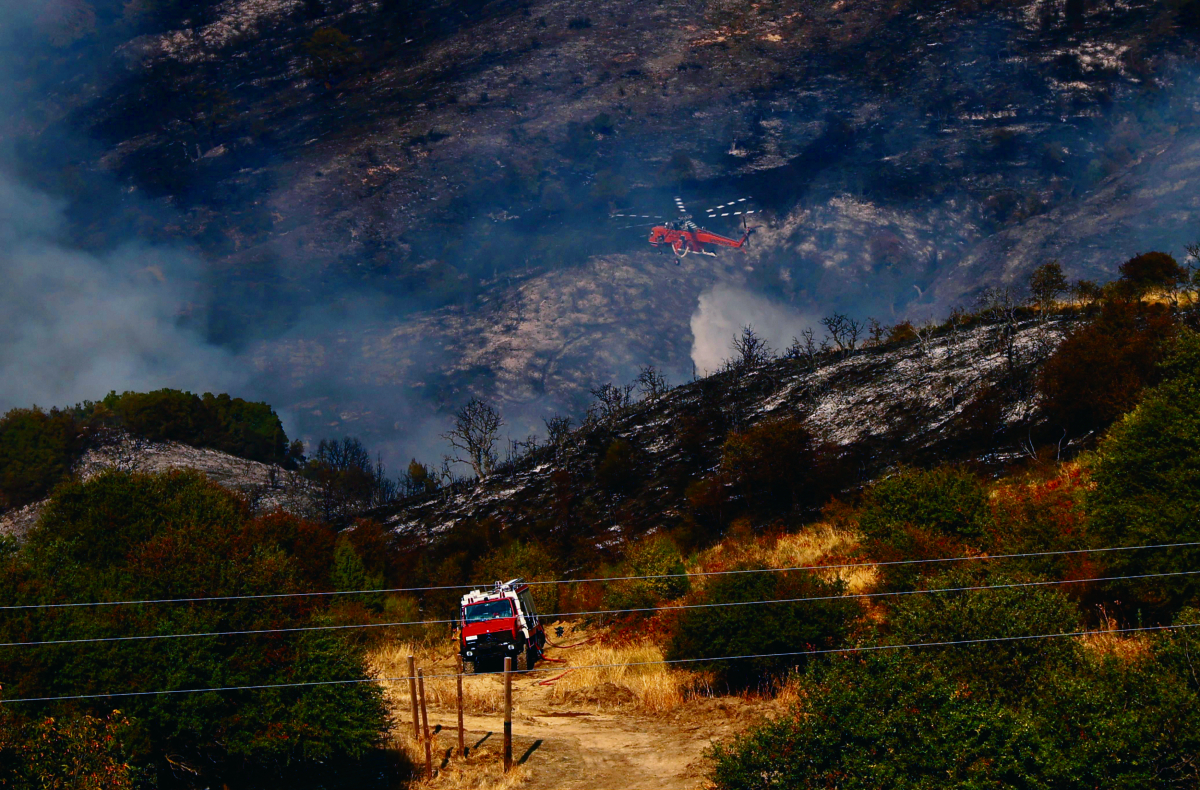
<point x="476" y="426"/>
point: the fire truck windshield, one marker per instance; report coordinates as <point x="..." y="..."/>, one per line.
<point x="488" y="610"/>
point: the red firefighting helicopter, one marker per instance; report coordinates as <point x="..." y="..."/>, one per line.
<point x="684" y="236"/>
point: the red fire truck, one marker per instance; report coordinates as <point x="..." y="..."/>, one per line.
<point x="500" y="622"/>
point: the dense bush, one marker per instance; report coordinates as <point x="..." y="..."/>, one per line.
<point x="1099" y="371"/>
<point x="656" y="555"/>
<point x="1002" y="667"/>
<point x="778" y="464"/>
<point x="78" y="751"/>
<point x="892" y="720"/>
<point x="37" y="449"/>
<point x="128" y="536"/>
<point x="1147" y="482"/>
<point x="762" y="629"/>
<point x="243" y="428"/>
<point x="946" y="500"/>
<point x="1151" y="270"/>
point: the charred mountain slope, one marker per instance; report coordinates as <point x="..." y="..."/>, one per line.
<point x="375" y="190"/>
<point x="965" y="394"/>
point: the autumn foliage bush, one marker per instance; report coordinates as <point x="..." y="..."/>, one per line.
<point x="780" y="465"/>
<point x="1099" y="371"/>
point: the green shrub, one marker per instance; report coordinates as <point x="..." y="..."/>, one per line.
<point x="350" y="574"/>
<point x="895" y="721"/>
<point x="946" y="500"/>
<point x="1002" y="667"/>
<point x="37" y="449"/>
<point x="1147" y="483"/>
<point x="762" y="629"/>
<point x="656" y="555"/>
<point x="884" y="721"/>
<point x="127" y="536"/>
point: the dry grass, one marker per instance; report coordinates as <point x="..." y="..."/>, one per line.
<point x="1126" y="647"/>
<point x="481" y="693"/>
<point x="808" y="547"/>
<point x="622" y="677"/>
<point x="482" y="768"/>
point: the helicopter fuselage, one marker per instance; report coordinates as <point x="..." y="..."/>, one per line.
<point x="695" y="240"/>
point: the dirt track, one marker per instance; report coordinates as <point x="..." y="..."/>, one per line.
<point x="586" y="746"/>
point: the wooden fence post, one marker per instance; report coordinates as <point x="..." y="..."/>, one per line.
<point x="412" y="692"/>
<point x="507" y="713"/>
<point x="425" y="726"/>
<point x="461" y="734"/>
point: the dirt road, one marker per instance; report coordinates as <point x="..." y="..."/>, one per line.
<point x="585" y="745"/>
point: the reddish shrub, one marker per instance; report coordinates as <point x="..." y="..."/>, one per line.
<point x="1100" y="370"/>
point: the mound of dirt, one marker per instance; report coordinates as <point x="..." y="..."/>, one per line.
<point x="607" y="694"/>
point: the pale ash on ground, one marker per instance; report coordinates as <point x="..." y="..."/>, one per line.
<point x="902" y="400"/>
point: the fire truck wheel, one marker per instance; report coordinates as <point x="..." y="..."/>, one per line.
<point x="531" y="657"/>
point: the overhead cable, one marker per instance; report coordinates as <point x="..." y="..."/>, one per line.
<point x="696" y="574"/>
<point x="897" y="593"/>
<point x="828" y="651"/>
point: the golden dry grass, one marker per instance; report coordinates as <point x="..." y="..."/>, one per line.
<point x="810" y="546"/>
<point x="481" y="693"/>
<point x="625" y="677"/>
<point x="1105" y="641"/>
<point x="482" y="768"/>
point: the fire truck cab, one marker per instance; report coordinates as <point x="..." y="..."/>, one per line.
<point x="498" y="623"/>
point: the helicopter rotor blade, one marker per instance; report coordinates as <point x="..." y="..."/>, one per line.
<point x="730" y="205"/>
<point x="679" y="205"/>
<point x="638" y="216"/>
<point x="734" y="208"/>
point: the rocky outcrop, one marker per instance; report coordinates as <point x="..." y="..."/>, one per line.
<point x="265" y="487"/>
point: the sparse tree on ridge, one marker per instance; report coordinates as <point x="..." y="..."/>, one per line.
<point x="1046" y="284"/>
<point x="750" y="350"/>
<point x="558" y="428"/>
<point x="843" y="330"/>
<point x="476" y="427"/>
<point x="652" y="383"/>
<point x="613" y="399"/>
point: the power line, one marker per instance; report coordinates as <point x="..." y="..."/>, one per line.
<point x="829" y="651"/>
<point x="852" y="596"/>
<point x="698" y="574"/>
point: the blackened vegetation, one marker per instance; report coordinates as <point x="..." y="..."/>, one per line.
<point x="768" y="441"/>
<point x="877" y="95"/>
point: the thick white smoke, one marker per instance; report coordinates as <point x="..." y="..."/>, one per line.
<point x="74" y="325"/>
<point x="723" y="310"/>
